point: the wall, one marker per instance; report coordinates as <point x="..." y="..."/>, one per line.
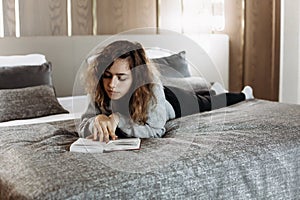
<point x="251" y="26"/>
<point x="50" y="17"/>
<point x="254" y="30"/>
<point x="207" y="58"/>
<point x="290" y="53"/>
<point x="261" y="48"/>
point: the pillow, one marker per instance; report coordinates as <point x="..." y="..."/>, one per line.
<point x="30" y="102"/>
<point x="193" y="83"/>
<point x="157" y="52"/>
<point x="173" y="66"/>
<point x="17" y="60"/>
<point x="25" y="76"/>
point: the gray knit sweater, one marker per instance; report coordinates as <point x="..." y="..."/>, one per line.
<point x="158" y="115"/>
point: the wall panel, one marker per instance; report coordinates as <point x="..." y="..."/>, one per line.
<point x="234" y="16"/>
<point x="43" y="17"/>
<point x="290" y="51"/>
<point x="252" y="25"/>
<point x="9" y="17"/>
<point x="82" y="17"/>
<point x="261" y="48"/>
<point x="115" y="16"/>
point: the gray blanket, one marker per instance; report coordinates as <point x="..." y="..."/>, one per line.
<point x="247" y="151"/>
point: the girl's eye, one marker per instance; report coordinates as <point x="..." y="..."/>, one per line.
<point x="107" y="76"/>
<point x="122" y="78"/>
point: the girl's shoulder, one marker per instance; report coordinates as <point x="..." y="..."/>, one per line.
<point x="157" y="88"/>
<point x="157" y="80"/>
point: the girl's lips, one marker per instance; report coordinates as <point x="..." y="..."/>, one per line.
<point x="112" y="92"/>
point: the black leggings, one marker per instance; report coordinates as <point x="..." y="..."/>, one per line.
<point x="189" y="102"/>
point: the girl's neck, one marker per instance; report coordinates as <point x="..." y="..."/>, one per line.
<point x="121" y="105"/>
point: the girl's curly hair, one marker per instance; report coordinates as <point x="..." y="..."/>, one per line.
<point x="142" y="74"/>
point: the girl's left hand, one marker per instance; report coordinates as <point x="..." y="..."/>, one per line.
<point x="114" y="119"/>
<point x="105" y="127"/>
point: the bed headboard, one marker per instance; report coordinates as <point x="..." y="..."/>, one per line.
<point x="208" y="54"/>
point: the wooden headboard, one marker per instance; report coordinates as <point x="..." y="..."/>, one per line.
<point x="208" y="54"/>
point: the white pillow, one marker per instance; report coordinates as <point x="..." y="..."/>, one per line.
<point x="151" y="52"/>
<point x="22" y="60"/>
<point x="193" y="83"/>
<point x="156" y="52"/>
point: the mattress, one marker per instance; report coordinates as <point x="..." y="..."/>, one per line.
<point x="250" y="150"/>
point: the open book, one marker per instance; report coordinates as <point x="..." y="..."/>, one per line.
<point x="90" y="146"/>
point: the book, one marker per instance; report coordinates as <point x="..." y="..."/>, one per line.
<point x="90" y="146"/>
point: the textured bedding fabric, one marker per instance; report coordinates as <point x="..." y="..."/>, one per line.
<point x="25" y="75"/>
<point x="29" y="102"/>
<point x="247" y="151"/>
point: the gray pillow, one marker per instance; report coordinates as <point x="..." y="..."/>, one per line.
<point x="173" y="66"/>
<point x="25" y="76"/>
<point x="193" y="83"/>
<point x="30" y="102"/>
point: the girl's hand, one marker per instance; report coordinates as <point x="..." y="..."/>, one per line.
<point x="104" y="127"/>
<point x="115" y="120"/>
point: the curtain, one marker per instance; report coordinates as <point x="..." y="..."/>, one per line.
<point x="192" y="16"/>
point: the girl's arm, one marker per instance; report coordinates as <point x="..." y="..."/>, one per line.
<point x="154" y="127"/>
<point x="157" y="117"/>
<point x="87" y="119"/>
<point x="95" y="124"/>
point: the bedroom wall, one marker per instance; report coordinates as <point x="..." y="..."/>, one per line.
<point x="67" y="54"/>
<point x="290" y="53"/>
<point x="250" y="25"/>
<point x="88" y="17"/>
<point x="254" y="30"/>
<point x="261" y="47"/>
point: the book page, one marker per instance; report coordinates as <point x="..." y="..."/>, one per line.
<point x="122" y="144"/>
<point x="90" y="146"/>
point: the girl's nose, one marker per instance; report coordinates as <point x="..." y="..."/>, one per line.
<point x="113" y="82"/>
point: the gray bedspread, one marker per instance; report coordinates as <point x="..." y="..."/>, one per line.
<point x="247" y="151"/>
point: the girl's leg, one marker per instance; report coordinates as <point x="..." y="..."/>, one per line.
<point x="212" y="102"/>
<point x="187" y="102"/>
<point x="184" y="102"/>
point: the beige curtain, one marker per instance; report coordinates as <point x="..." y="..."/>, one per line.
<point x="191" y="16"/>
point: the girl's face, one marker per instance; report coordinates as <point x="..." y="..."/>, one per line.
<point x="117" y="79"/>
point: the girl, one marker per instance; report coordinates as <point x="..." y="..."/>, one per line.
<point x="127" y="98"/>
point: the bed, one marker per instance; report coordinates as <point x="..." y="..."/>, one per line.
<point x="250" y="150"/>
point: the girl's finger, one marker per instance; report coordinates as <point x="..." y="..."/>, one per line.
<point x="100" y="134"/>
<point x="97" y="130"/>
<point x="106" y="136"/>
<point x="111" y="131"/>
<point x="95" y="133"/>
<point x="104" y="131"/>
<point x="90" y="136"/>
